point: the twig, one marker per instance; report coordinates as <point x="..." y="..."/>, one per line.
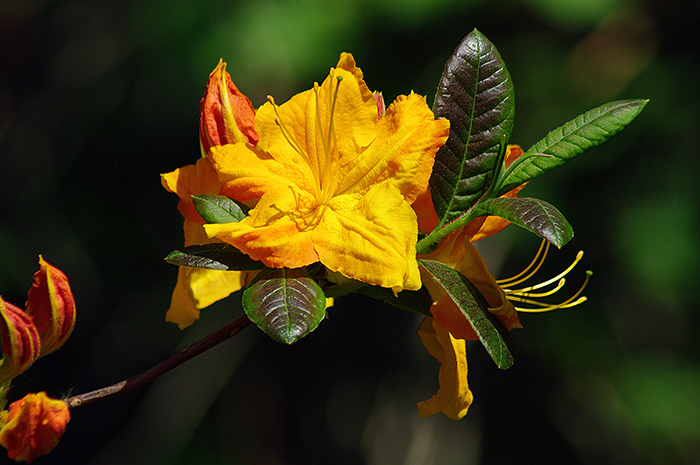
<point x="173" y="361"/>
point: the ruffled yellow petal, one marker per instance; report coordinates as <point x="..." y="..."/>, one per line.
<point x="368" y="238"/>
<point x="403" y="151"/>
<point x="278" y="231"/>
<point x="454" y="397"/>
<point x="372" y="240"/>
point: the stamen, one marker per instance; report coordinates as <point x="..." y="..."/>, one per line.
<point x="526" y="296"/>
<point x="331" y="141"/>
<point x="570" y="302"/>
<point x="325" y="181"/>
<point x="285" y="132"/>
<point x="579" y="255"/>
<point x="512" y="281"/>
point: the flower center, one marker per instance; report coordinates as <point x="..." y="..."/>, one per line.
<point x="526" y="294"/>
<point x="322" y="170"/>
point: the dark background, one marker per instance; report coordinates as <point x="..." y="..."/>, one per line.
<point x="98" y="98"/>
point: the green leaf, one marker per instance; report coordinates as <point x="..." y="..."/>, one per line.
<point x="218" y="209"/>
<point x="570" y="140"/>
<point x="287" y="304"/>
<point x="476" y="94"/>
<point x="415" y="301"/>
<point x="491" y="332"/>
<point x="214" y="257"/>
<point x="535" y="215"/>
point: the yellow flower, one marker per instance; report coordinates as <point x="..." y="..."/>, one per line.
<point x="33" y="426"/>
<point x="333" y="181"/>
<point x="444" y="335"/>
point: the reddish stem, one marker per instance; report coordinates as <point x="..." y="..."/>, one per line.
<point x="173" y="361"/>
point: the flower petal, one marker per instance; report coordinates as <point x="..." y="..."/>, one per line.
<point x="192" y="180"/>
<point x="454" y="397"/>
<point x="226" y="115"/>
<point x="402" y="153"/>
<point x="20" y="341"/>
<point x="51" y="306"/>
<point x="278" y="231"/>
<point x="198" y="288"/>
<point x="457" y="252"/>
<point x="372" y="240"/>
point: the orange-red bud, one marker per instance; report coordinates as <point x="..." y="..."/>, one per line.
<point x="51" y="306"/>
<point x="20" y="341"/>
<point x="33" y="427"/>
<point x="226" y="115"/>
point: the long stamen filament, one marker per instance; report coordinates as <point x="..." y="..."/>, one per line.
<point x="317" y="92"/>
<point x="323" y="177"/>
<point x="570" y="302"/>
<point x="579" y="255"/>
<point x="527" y="296"/>
<point x="331" y="140"/>
<point x="285" y="131"/>
<point x="514" y="280"/>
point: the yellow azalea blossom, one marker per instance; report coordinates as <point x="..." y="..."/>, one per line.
<point x="197" y="288"/>
<point x="333" y="182"/>
<point x="33" y="426"/>
<point x="450" y="328"/>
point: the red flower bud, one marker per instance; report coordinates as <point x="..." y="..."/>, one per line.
<point x="33" y="427"/>
<point x="226" y="115"/>
<point x="51" y="306"/>
<point x="20" y="341"/>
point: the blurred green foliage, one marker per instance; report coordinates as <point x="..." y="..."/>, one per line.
<point x="98" y="98"/>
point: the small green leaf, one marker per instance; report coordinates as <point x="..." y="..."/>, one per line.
<point x="415" y="301"/>
<point x="476" y="94"/>
<point x="535" y="215"/>
<point x="214" y="257"/>
<point x="491" y="332"/>
<point x="287" y="304"/>
<point x="218" y="209"/>
<point x="570" y="140"/>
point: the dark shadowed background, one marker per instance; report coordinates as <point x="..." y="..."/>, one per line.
<point x="97" y="98"/>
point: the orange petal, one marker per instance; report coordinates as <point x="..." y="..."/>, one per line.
<point x="278" y="231"/>
<point x="226" y="115"/>
<point x="51" y="306"/>
<point x="20" y="341"/>
<point x="457" y="252"/>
